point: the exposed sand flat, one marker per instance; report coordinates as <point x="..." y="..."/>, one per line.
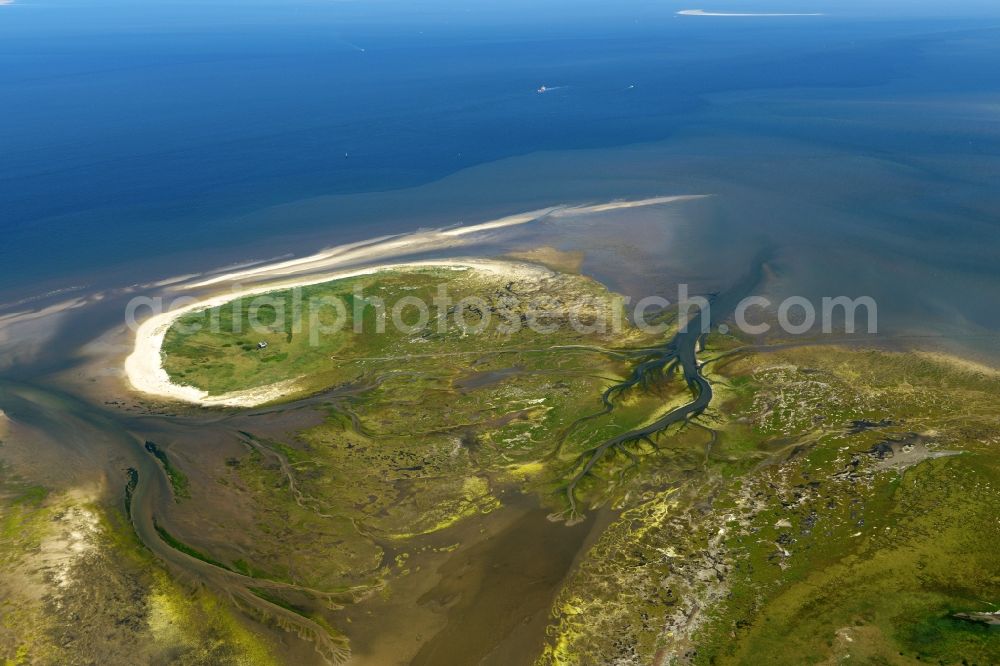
<point x="568" y="211"/>
<point x="702" y="12"/>
<point x="29" y="315"/>
<point x="332" y="256"/>
<point x="384" y="247"/>
<point x="144" y="366"/>
<point x="10" y="306"/>
<point x="166" y="282"/>
<point x="568" y="261"/>
<point x="27" y="330"/>
<point x="510" y="221"/>
<point x="169" y="281"/>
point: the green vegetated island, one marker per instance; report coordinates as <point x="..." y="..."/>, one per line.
<point x="827" y="504"/>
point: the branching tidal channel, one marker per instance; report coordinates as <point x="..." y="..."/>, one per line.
<point x="652" y="366"/>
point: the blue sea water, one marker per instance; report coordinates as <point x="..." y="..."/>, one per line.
<point x="133" y="130"/>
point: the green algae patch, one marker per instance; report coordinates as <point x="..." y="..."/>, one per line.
<point x="179" y="545"/>
<point x="430" y="434"/>
<point x="26" y="512"/>
<point x="77" y="586"/>
<point x="23" y="512"/>
<point x="829" y="503"/>
<point x="474" y="498"/>
<point x="178" y="480"/>
<point x="844" y="509"/>
<point x="886" y="584"/>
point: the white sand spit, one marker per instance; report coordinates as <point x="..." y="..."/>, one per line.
<point x="400" y="245"/>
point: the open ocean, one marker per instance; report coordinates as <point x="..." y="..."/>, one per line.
<point x="141" y="140"/>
